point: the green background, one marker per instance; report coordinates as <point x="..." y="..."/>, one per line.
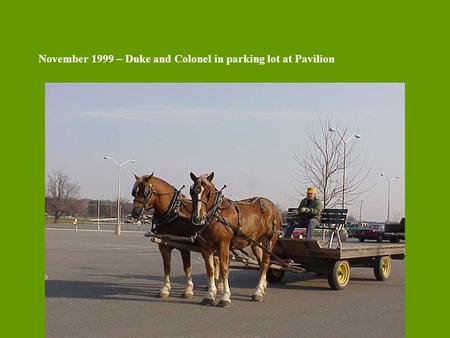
<point x="372" y="42"/>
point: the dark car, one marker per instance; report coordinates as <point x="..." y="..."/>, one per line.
<point x="373" y="231"/>
<point x="394" y="232"/>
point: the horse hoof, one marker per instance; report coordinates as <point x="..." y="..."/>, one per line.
<point x="207" y="301"/>
<point x="187" y="295"/>
<point x="163" y="295"/>
<point x="258" y="298"/>
<point x="224" y="303"/>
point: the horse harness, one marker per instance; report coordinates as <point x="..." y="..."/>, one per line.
<point x="172" y="212"/>
<point x="215" y="212"/>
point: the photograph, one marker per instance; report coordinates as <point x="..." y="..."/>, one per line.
<point x="246" y="209"/>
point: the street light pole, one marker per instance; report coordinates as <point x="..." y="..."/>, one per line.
<point x="390" y="179"/>
<point x="345" y="154"/>
<point x="98" y="213"/>
<point x="360" y="211"/>
<point x="343" y="174"/>
<point x="118" y="227"/>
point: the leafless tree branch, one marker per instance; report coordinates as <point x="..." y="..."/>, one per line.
<point x="321" y="164"/>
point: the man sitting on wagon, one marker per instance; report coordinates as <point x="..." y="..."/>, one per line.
<point x="308" y="212"/>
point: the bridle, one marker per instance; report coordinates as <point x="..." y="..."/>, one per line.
<point x="148" y="193"/>
<point x="171" y="213"/>
<point x="196" y="189"/>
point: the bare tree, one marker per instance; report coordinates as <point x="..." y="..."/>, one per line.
<point x="321" y="165"/>
<point x="125" y="206"/>
<point x="60" y="192"/>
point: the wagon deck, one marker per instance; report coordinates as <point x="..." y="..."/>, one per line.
<point x="297" y="249"/>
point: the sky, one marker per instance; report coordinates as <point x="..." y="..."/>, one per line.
<point x="247" y="133"/>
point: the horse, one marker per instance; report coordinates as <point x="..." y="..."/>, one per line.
<point x="229" y="224"/>
<point x="172" y="216"/>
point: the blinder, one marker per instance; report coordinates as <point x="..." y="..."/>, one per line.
<point x="196" y="189"/>
<point x="148" y="192"/>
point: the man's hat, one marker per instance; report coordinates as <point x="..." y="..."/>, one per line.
<point x="311" y="190"/>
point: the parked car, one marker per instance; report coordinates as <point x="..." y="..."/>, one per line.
<point x="373" y="231"/>
<point x="394" y="232"/>
<point x="352" y="229"/>
<point x="144" y="220"/>
<point x="299" y="233"/>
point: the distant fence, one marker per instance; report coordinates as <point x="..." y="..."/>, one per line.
<point x="103" y="220"/>
<point x="71" y="219"/>
<point x="89" y="220"/>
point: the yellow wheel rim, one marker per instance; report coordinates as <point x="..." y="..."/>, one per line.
<point x="386" y="266"/>
<point x="343" y="273"/>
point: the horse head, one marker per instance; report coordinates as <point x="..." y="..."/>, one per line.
<point x="203" y="193"/>
<point x="144" y="195"/>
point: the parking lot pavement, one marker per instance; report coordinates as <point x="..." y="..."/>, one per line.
<point x="101" y="285"/>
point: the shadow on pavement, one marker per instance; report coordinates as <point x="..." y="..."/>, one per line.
<point x="138" y="287"/>
<point x="112" y="291"/>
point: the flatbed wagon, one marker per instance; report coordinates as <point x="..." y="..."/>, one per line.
<point x="294" y="255"/>
<point x="333" y="262"/>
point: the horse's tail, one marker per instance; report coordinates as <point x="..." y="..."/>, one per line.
<point x="276" y="220"/>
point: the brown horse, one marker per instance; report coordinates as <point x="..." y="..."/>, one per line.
<point x="172" y="216"/>
<point x="232" y="224"/>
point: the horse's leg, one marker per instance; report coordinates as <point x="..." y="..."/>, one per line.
<point x="224" y="254"/>
<point x="262" y="284"/>
<point x="186" y="257"/>
<point x="166" y="252"/>
<point x="212" y="290"/>
<point x="258" y="252"/>
<point x="217" y="278"/>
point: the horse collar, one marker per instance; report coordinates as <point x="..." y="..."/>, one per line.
<point x="171" y="213"/>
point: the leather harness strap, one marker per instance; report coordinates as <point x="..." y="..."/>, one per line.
<point x="236" y="230"/>
<point x="172" y="212"/>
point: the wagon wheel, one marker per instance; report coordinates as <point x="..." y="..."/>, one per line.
<point x="382" y="267"/>
<point x="339" y="275"/>
<point x="275" y="275"/>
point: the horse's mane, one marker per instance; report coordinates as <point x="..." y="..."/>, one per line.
<point x="156" y="179"/>
<point x="204" y="179"/>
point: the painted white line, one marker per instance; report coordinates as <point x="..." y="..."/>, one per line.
<point x="95" y="230"/>
<point x="93" y="249"/>
<point x="66" y="244"/>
